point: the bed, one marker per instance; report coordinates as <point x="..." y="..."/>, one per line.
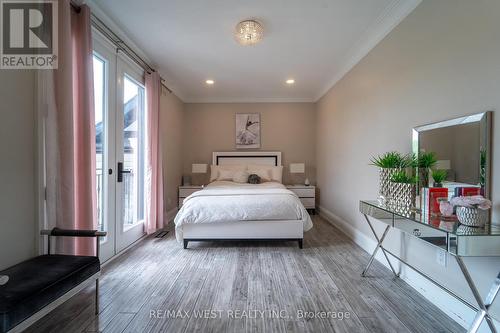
<point x="227" y="210"/>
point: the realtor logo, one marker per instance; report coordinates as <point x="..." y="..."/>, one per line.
<point x="29" y="34"/>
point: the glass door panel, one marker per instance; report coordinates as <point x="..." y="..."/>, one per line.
<point x="133" y="152"/>
<point x="119" y="102"/>
<point x="99" y="107"/>
<point x="104" y="66"/>
<point x="130" y="157"/>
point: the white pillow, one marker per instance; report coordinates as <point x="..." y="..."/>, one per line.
<point x="226" y="174"/>
<point x="214" y="170"/>
<point x="240" y="177"/>
<point x="267" y="172"/>
<point x="277" y="174"/>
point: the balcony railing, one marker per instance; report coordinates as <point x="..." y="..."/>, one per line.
<point x="100" y="206"/>
<point x="129" y="199"/>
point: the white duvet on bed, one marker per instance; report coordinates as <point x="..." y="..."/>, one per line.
<point x="226" y="201"/>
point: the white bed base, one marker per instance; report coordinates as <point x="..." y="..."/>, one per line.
<point x="292" y="230"/>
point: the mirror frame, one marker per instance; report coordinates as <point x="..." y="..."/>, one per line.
<point x="485" y="120"/>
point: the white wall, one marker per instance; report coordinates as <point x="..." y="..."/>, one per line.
<point x="17" y="167"/>
<point x="441" y="62"/>
<point x="171" y="127"/>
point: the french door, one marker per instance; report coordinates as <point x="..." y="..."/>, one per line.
<point x="120" y="113"/>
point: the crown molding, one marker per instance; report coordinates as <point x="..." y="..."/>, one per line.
<point x="124" y="35"/>
<point x="176" y="90"/>
<point x="116" y="28"/>
<point x="178" y="93"/>
<point x="383" y="25"/>
<point x="195" y="100"/>
<point x="394" y="13"/>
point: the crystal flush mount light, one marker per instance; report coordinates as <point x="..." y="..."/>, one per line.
<point x="249" y="32"/>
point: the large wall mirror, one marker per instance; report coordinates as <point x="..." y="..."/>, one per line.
<point x="462" y="147"/>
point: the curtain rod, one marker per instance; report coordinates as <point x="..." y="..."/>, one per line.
<point x="120" y="44"/>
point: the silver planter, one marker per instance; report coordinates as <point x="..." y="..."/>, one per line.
<point x="385" y="182"/>
<point x="401" y="210"/>
<point x="472" y="217"/>
<point x="402" y="196"/>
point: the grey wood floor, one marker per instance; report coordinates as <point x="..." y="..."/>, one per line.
<point x="277" y="278"/>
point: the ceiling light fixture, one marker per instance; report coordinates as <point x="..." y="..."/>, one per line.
<point x="209" y="82"/>
<point x="290" y="81"/>
<point x="249" y="32"/>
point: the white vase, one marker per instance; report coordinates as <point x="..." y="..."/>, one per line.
<point x="306" y="182"/>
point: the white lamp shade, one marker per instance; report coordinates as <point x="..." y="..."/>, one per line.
<point x="297" y="167"/>
<point x="199" y="168"/>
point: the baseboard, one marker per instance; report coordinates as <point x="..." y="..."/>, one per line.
<point x="125" y="250"/>
<point x="169" y="216"/>
<point x="459" y="312"/>
<point x="365" y="242"/>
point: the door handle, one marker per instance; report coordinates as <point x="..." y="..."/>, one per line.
<point x="120" y="172"/>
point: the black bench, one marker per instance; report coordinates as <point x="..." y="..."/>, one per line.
<point x="38" y="285"/>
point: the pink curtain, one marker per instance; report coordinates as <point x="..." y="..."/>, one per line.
<point x="70" y="134"/>
<point x="154" y="170"/>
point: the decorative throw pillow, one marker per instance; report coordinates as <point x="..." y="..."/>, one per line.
<point x="240" y="177"/>
<point x="263" y="171"/>
<point x="254" y="179"/>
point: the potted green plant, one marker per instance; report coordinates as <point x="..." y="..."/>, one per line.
<point x="403" y="190"/>
<point x="439" y="175"/>
<point x="389" y="163"/>
<point x="425" y="162"/>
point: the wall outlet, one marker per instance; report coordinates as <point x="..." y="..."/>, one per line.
<point x="441" y="257"/>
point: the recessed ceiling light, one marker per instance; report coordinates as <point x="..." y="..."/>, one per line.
<point x="290" y="81"/>
<point x="209" y="82"/>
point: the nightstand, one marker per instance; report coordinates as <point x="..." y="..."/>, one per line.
<point x="306" y="194"/>
<point x="186" y="191"/>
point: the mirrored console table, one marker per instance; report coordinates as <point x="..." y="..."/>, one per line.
<point x="458" y="240"/>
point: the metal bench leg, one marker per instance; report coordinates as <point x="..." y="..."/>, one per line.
<point x="97" y="296"/>
<point x="186" y="244"/>
<point x="300" y="244"/>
